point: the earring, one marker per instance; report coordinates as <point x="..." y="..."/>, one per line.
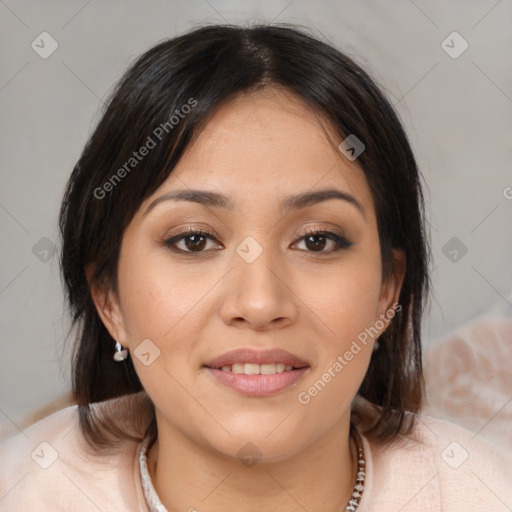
<point x="376" y="345"/>
<point x="121" y="353"/>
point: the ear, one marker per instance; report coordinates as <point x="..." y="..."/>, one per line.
<point x="390" y="289"/>
<point x="108" y="308"/>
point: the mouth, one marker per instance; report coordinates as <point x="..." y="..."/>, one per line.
<point x="257" y="373"/>
<point x="258" y="369"/>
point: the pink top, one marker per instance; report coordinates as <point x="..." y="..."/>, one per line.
<point x="438" y="467"/>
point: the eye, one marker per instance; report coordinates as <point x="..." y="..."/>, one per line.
<point x="316" y="241"/>
<point x="191" y="241"/>
<point x="196" y="241"/>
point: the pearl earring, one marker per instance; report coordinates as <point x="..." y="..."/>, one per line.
<point x="376" y="345"/>
<point x="121" y="353"/>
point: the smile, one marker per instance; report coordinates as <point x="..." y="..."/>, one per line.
<point x="257" y="369"/>
<point x="254" y="372"/>
<point x="250" y="382"/>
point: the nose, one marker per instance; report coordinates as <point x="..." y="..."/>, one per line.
<point x="259" y="295"/>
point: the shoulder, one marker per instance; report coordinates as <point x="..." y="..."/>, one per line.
<point x="51" y="465"/>
<point x="441" y="463"/>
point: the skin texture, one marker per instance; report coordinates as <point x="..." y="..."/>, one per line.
<point x="197" y="305"/>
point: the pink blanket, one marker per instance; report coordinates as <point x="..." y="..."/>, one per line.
<point x="469" y="379"/>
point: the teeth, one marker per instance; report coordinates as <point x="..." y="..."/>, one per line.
<point x="237" y="368"/>
<point x="255" y="369"/>
<point x="251" y="369"/>
<point x="268" y="369"/>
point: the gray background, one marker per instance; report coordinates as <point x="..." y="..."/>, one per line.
<point x="457" y="112"/>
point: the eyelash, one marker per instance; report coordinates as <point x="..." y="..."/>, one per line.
<point x="341" y="241"/>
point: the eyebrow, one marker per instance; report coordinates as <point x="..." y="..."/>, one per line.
<point x="290" y="202"/>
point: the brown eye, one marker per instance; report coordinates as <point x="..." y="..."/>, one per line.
<point x="191" y="241"/>
<point x="316" y="241"/>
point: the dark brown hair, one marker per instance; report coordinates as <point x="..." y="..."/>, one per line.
<point x="206" y="67"/>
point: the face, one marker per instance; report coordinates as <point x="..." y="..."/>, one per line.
<point x="263" y="273"/>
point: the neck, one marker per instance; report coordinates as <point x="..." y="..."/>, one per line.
<point x="187" y="476"/>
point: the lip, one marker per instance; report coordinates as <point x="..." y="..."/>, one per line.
<point x="248" y="355"/>
<point x="258" y="385"/>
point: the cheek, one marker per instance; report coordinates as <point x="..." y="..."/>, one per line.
<point x="155" y="298"/>
<point x="159" y="305"/>
<point x="346" y="299"/>
<point x="346" y="308"/>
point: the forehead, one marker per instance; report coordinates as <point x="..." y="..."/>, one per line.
<point x="263" y="145"/>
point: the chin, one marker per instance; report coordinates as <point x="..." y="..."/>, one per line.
<point x="268" y="441"/>
<point x="260" y="450"/>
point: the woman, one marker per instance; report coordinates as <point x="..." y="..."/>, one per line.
<point x="245" y="260"/>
